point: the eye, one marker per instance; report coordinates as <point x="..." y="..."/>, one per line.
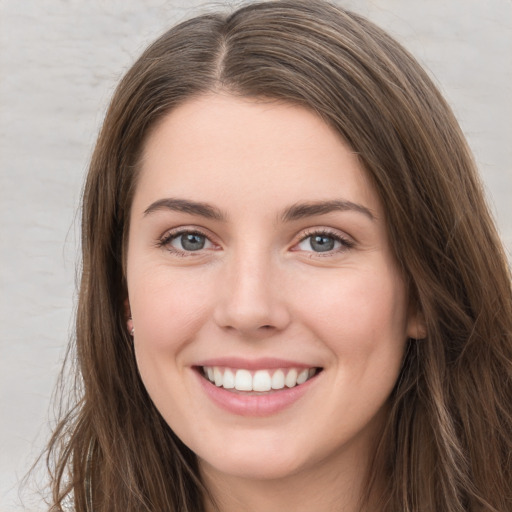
<point x="186" y="242"/>
<point x="323" y="242"/>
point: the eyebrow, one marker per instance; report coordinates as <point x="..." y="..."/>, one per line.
<point x="294" y="212"/>
<point x="310" y="209"/>
<point x="186" y="206"/>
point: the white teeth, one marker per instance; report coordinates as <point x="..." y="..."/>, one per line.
<point x="229" y="379"/>
<point x="259" y="381"/>
<point x="243" y="380"/>
<point x="217" y="375"/>
<point x="303" y="376"/>
<point x="291" y="378"/>
<point x="278" y="380"/>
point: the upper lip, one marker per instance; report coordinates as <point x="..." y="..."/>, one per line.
<point x="264" y="363"/>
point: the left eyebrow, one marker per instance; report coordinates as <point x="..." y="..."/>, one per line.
<point x="310" y="209"/>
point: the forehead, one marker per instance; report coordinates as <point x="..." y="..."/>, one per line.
<point x="218" y="145"/>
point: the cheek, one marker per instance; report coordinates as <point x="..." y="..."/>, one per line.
<point x="167" y="312"/>
<point x="363" y="324"/>
<point x="359" y="313"/>
<point x="167" y="308"/>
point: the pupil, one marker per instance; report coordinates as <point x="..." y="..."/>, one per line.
<point x="191" y="242"/>
<point x="322" y="243"/>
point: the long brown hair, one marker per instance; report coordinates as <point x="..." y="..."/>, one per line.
<point x="447" y="444"/>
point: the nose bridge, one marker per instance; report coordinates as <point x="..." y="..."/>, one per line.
<point x="250" y="300"/>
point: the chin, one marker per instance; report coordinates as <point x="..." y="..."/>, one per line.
<point x="262" y="468"/>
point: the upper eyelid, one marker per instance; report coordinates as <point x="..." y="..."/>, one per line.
<point x="174" y="232"/>
<point x="336" y="233"/>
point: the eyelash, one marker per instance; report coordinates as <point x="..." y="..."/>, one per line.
<point x="346" y="243"/>
<point x="165" y="241"/>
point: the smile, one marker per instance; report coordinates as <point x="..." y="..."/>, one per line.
<point x="262" y="380"/>
<point x="257" y="387"/>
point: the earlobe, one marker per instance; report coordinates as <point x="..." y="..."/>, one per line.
<point x="128" y="317"/>
<point x="416" y="327"/>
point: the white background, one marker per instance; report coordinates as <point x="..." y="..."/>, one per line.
<point x="59" y="63"/>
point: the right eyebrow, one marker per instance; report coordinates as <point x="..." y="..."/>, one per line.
<point x="186" y="206"/>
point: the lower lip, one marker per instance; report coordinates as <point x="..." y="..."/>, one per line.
<point x="255" y="405"/>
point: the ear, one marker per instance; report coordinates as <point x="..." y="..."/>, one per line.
<point x="128" y="315"/>
<point x="416" y="326"/>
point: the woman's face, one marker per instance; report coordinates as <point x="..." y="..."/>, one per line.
<point x="258" y="259"/>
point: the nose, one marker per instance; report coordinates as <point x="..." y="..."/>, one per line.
<point x="251" y="300"/>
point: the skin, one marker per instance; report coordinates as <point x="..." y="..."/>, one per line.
<point x="258" y="288"/>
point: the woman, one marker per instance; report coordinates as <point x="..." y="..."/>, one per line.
<point x="293" y="296"/>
